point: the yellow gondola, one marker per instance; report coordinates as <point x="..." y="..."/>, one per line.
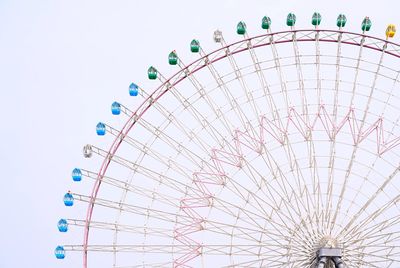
<point x="390" y="31"/>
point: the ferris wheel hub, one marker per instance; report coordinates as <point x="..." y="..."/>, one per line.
<point x="328" y="242"/>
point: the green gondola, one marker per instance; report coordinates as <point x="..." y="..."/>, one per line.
<point x="316" y="19"/>
<point x="341" y="21"/>
<point x="291" y="19"/>
<point x="266" y="23"/>
<point x="195" y="46"/>
<point x="366" y="24"/>
<point x="173" y="58"/>
<point x="152" y="73"/>
<point x="241" y="28"/>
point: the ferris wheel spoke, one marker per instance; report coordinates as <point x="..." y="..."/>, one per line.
<point x="187" y="132"/>
<point x="143" y="230"/>
<point x="148" y="264"/>
<point x="284" y="91"/>
<point x="219" y="138"/>
<point x="262" y="203"/>
<point x="225" y="207"/>
<point x="228" y="95"/>
<point x="390" y="134"/>
<point x="389" y="138"/>
<point x="381" y="188"/>
<point x="274" y="260"/>
<point x="263" y="81"/>
<point x="250" y="250"/>
<point x="250" y="218"/>
<point x="159" y="156"/>
<point x="179" y="147"/>
<point x="140" y="248"/>
<point x="318" y="66"/>
<point x="200" y="89"/>
<point x="173" y="143"/>
<point x="375" y="214"/>
<point x="208" y="249"/>
<point x="357" y="70"/>
<point x="374" y="230"/>
<point x="332" y="152"/>
<point x="300" y="80"/>
<point x="305" y="114"/>
<point x="371" y="199"/>
<point x="243" y="84"/>
<point x="379" y="251"/>
<point x="240" y="189"/>
<point x="359" y="137"/>
<point x="137" y="189"/>
<point x="279" y="72"/>
<point x="379" y="256"/>
<point x="241" y="231"/>
<point x="148" y="172"/>
<point x="302" y="191"/>
<point x="360" y="263"/>
<point x="379" y="241"/>
<point x="138" y="210"/>
<point x="200" y="119"/>
<point x="280" y="175"/>
<point x="253" y="214"/>
<point x="388" y="239"/>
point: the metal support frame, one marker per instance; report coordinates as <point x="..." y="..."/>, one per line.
<point x="269" y="39"/>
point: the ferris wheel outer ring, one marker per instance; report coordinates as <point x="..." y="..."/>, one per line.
<point x="127" y="127"/>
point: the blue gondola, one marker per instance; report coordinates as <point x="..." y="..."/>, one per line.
<point x="115" y="108"/>
<point x="59" y="252"/>
<point x="68" y="199"/>
<point x="77" y="174"/>
<point x="62" y="225"/>
<point x="101" y="129"/>
<point x="133" y="89"/>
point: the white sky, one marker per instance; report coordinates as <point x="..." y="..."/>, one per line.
<point x="62" y="64"/>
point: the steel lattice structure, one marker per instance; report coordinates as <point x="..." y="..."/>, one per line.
<point x="257" y="154"/>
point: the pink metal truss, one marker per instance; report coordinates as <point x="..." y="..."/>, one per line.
<point x="244" y="140"/>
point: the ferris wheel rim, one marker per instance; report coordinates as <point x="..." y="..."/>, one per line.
<point x="149" y="101"/>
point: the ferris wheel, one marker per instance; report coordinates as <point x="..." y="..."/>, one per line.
<point x="278" y="150"/>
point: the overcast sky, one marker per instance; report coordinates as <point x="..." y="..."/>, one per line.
<point x="62" y="63"/>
